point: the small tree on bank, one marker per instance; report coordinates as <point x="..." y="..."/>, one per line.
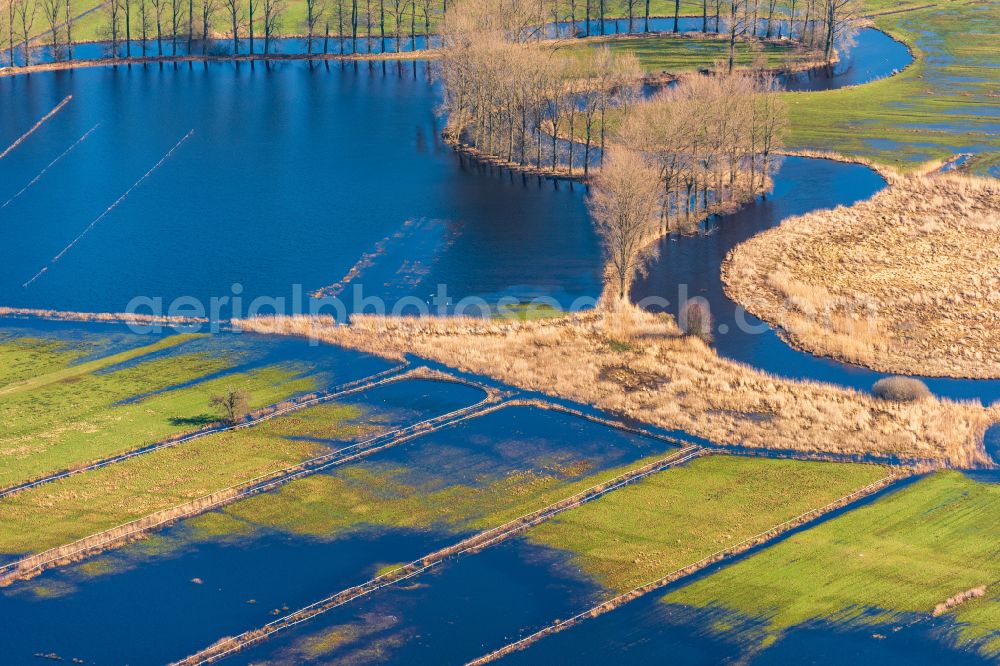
<point x="234" y="404"/>
<point x="623" y="204"/>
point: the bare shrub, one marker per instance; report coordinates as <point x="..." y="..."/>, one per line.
<point x="900" y="389"/>
<point x="696" y="319"/>
<point x="234" y="404"/>
<point x="958" y="599"/>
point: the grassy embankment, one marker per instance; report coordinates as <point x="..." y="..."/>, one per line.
<point x="943" y="104"/>
<point x="58" y="414"/>
<point x="80" y="505"/>
<point x="879" y="564"/>
<point x="667" y="521"/>
<point x="904" y="282"/>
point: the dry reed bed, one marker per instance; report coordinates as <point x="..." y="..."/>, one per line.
<point x="905" y="282"/>
<point x="661" y="377"/>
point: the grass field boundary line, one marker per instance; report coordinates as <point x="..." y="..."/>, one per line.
<point x="904" y="10"/>
<point x="126" y="532"/>
<point x="635" y="593"/>
<point x="475" y="543"/>
<point x="349" y="388"/>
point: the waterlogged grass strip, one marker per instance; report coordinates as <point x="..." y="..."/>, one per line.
<point x="258" y="417"/>
<point x="132" y="530"/>
<point x="476" y="543"/>
<point x="635" y="593"/>
<point x="81" y="369"/>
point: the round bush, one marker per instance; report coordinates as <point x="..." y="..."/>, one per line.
<point x="901" y="389"/>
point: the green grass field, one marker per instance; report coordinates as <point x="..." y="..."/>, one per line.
<point x="945" y="103"/>
<point x="903" y="554"/>
<point x="58" y="415"/>
<point x="66" y="510"/>
<point x="644" y="531"/>
<point x="380" y="494"/>
<point x="669" y="54"/>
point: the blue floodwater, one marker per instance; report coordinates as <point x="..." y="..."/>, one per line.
<point x="66" y="610"/>
<point x="648" y="630"/>
<point x="447" y="616"/>
<point x="329" y="365"/>
<point x="292" y="177"/>
<point x="688" y="267"/>
<point x="273" y="568"/>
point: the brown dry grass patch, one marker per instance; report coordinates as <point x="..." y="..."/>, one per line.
<point x="662" y="377"/>
<point x="905" y="282"/>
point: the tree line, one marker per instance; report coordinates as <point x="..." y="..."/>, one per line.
<point x="703" y="147"/>
<point x="145" y="28"/>
<point x="163" y="27"/>
<point x="512" y="96"/>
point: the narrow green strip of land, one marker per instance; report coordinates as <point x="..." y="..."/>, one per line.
<point x="71" y="372"/>
<point x="672" y="54"/>
<point x="61" y="512"/>
<point x="85" y="412"/>
<point x="645" y="531"/>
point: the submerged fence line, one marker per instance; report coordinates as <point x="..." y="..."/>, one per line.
<point x="34" y="127"/>
<point x="475" y="543"/>
<point x="263" y="415"/>
<point x="110" y="208"/>
<point x="124" y="533"/>
<point x="50" y="165"/>
<point x="635" y="593"/>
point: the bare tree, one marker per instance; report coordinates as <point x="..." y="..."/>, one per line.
<point x="26" y="11"/>
<point x="770" y="17"/>
<point x="127" y="11"/>
<point x="208" y="8"/>
<point x="113" y="28"/>
<point x="251" y="19"/>
<point x="425" y="8"/>
<point x="69" y="28"/>
<point x="234" y="404"/>
<point x="314" y="14"/>
<point x="623" y="203"/>
<point x="273" y="12"/>
<point x="6" y="33"/>
<point x="842" y="18"/>
<point x="144" y="22"/>
<point x="235" y="11"/>
<point x="176" y="19"/>
<point x="158" y="20"/>
<point x="397" y="7"/>
<point x="51" y="12"/>
<point x="738" y="22"/>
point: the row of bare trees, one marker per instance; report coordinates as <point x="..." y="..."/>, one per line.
<point x="158" y="26"/>
<point x="514" y="98"/>
<point x="712" y="140"/>
<point x="168" y="27"/>
<point x="705" y="146"/>
<point x="22" y="20"/>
